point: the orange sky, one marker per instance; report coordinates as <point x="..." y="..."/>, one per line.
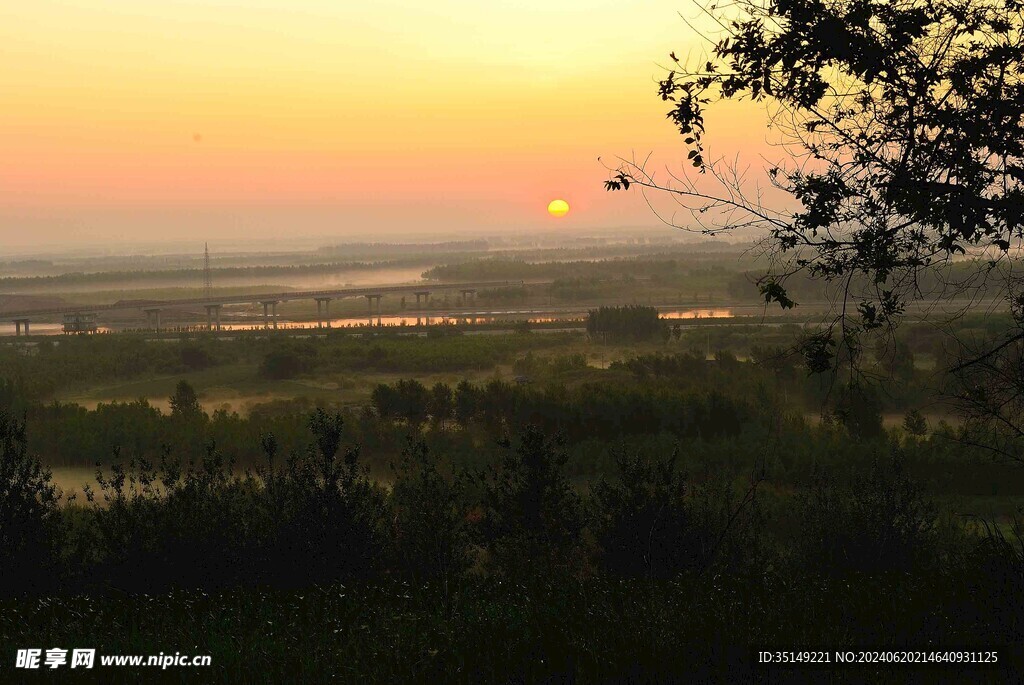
<point x="181" y="119"/>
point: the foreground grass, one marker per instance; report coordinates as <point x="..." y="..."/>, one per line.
<point x="486" y="631"/>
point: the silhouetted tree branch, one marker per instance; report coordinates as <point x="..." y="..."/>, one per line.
<point x="901" y="126"/>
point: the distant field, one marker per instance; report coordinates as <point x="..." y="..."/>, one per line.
<point x="237" y="386"/>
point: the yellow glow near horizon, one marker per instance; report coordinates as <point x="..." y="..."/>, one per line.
<point x="558" y="208"/>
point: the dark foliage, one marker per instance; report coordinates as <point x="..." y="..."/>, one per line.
<point x="407" y="399"/>
<point x="591" y="410"/>
<point x="907" y="125"/>
<point x="314" y="518"/>
<point x="196" y="357"/>
<point x="306" y="562"/>
<point x="288" y="362"/>
<point x="880" y="523"/>
<point x="29" y="514"/>
<point x="184" y="402"/>
<point x="632" y="322"/>
<point x="644" y="525"/>
<point x="532" y="519"/>
<point x="432" y="526"/>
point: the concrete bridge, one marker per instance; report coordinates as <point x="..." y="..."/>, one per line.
<point x="152" y="308"/>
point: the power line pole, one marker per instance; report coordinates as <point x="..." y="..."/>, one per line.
<point x="207" y="277"/>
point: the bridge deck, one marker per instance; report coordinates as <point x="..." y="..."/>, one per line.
<point x="336" y="293"/>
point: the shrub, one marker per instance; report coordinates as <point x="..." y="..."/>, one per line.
<point x="331" y="517"/>
<point x="406" y="399"/>
<point x="860" y="410"/>
<point x="184" y="402"/>
<point x="315" y="518"/>
<point x="441" y="404"/>
<point x="159" y="526"/>
<point x="642" y="521"/>
<point x="29" y="514"/>
<point x="431" y="530"/>
<point x="287" y="362"/>
<point x="915" y="423"/>
<point x="881" y="522"/>
<point x="532" y="519"/>
<point x="195" y="357"/>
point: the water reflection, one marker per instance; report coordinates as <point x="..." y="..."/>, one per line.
<point x="42" y="328"/>
<point x="698" y="314"/>
<point x="399" y="321"/>
<point x="510" y="316"/>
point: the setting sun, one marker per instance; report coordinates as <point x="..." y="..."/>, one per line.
<point x="558" y="208"/>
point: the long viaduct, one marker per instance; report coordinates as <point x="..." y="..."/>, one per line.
<point x="153" y="308"/>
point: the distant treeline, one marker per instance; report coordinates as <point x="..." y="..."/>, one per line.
<point x="965" y="278"/>
<point x="195" y="274"/>
<point x="632" y="322"/>
<point x="624" y="404"/>
<point x="640" y="267"/>
<point x="76" y="361"/>
<point x="603" y="411"/>
<point x="399" y="249"/>
<point x="684" y="396"/>
<point x="726" y="276"/>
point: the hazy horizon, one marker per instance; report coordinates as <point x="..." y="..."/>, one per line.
<point x="301" y="243"/>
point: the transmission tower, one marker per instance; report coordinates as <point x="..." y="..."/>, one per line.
<point x="207" y="278"/>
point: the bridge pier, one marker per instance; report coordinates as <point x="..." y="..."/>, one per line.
<point x="77" y="322"/>
<point x="212" y="315"/>
<point x="369" y="302"/>
<point x="468" y="291"/>
<point x="272" y="304"/>
<point x="325" y="302"/>
<point x="153" y="313"/>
